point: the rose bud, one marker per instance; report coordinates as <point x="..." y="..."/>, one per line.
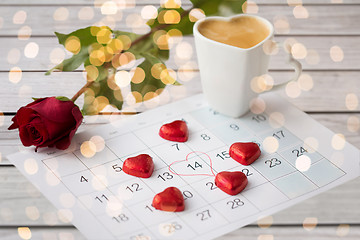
<point x="47" y="122"/>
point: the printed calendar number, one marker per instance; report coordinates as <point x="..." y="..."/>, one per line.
<point x="247" y="172"/>
<point x="165" y="176"/>
<point x="235" y="203"/>
<point x="299" y="152"/>
<point x="83" y="179"/>
<point x="103" y="198"/>
<point x="211" y="185"/>
<point x="121" y="218"/>
<point x="116" y="168"/>
<point x="259" y="118"/>
<point x="273" y="162"/>
<point x="195" y="166"/>
<point x="234" y="127"/>
<point x="205" y="137"/>
<point x="223" y="155"/>
<point x="187" y="194"/>
<point x="135" y="187"/>
<point x="176" y="145"/>
<point x="150" y="208"/>
<point x="204" y="215"/>
<point x="171" y="227"/>
<point x="279" y="134"/>
<point x="140" y="237"/>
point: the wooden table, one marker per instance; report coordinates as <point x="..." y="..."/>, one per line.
<point x="327" y="34"/>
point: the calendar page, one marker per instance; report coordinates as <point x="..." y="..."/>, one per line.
<point x="300" y="158"/>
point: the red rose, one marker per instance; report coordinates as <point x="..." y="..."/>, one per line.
<point x="47" y="122"/>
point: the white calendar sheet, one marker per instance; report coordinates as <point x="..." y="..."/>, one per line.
<point x="105" y="203"/>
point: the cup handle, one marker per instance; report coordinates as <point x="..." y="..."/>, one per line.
<point x="297" y="67"/>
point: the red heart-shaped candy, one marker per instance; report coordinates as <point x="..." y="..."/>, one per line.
<point x="139" y="166"/>
<point x="170" y="200"/>
<point x="176" y="131"/>
<point x="245" y="152"/>
<point x="231" y="182"/>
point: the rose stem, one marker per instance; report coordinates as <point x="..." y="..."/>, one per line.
<point x="136" y="41"/>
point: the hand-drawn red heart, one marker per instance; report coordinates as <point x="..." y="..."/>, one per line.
<point x="245" y="152"/>
<point x="176" y="131"/>
<point x="211" y="173"/>
<point x="139" y="166"/>
<point x="170" y="200"/>
<point x="231" y="182"/>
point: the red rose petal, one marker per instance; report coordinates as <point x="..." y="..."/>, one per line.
<point x="244" y="152"/>
<point x="176" y="131"/>
<point x="169" y="200"/>
<point x="231" y="182"/>
<point x="139" y="166"/>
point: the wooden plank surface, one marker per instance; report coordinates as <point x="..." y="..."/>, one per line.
<point x="344" y="232"/>
<point x="316" y="55"/>
<point x="320" y="21"/>
<point x="329" y="91"/>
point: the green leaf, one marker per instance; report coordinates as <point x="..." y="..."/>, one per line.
<point x="150" y="83"/>
<point x="62" y="98"/>
<point x="102" y="92"/>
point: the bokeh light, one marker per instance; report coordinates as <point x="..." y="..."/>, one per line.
<point x="65" y="215"/>
<point x="257" y="105"/>
<point x="196" y="14"/>
<point x="32" y="212"/>
<point x="31" y="50"/>
<point x="310" y="223"/>
<point x="300" y="12"/>
<point x="251" y="7"/>
<point x="305" y="82"/>
<point x="57" y="55"/>
<point x="184" y="50"/>
<point x="50" y="218"/>
<point x="276" y="119"/>
<point x="281" y="24"/>
<point x="19" y="17"/>
<point x="67" y="200"/>
<point x="262" y="83"/>
<point x="353" y="124"/>
<point x="312" y="57"/>
<point x="169" y="17"/>
<point x="265" y="222"/>
<point x="88" y="149"/>
<point x="149" y="12"/>
<point x="338" y="141"/>
<point x="24" y="232"/>
<point x="15" y="74"/>
<point x="351" y="101"/>
<point x="86" y="13"/>
<point x="294" y="2"/>
<point x="292" y="90"/>
<point x="270" y="144"/>
<point x="25" y="91"/>
<point x="336" y="53"/>
<point x="298" y="50"/>
<point x="31" y="166"/>
<point x="270" y="47"/>
<point x="24" y="33"/>
<point x="122" y="78"/>
<point x="109" y="8"/>
<point x="170" y="3"/>
<point x="51" y="179"/>
<point x="265" y="237"/>
<point x="13" y="56"/>
<point x="313" y="143"/>
<point x="73" y="45"/>
<point x="343" y="230"/>
<point x="61" y="14"/>
<point x="303" y="163"/>
<point x="138" y="75"/>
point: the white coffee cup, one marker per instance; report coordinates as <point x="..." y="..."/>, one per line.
<point x="227" y="71"/>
